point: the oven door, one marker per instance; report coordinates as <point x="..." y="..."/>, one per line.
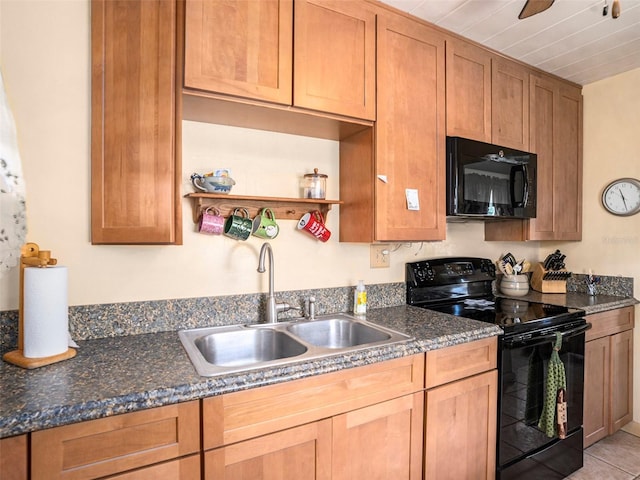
<point x="524" y="450"/>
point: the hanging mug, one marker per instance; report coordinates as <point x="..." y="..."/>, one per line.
<point x="211" y="221"/>
<point x="313" y="223"/>
<point x="264" y="225"/>
<point x="238" y="225"/>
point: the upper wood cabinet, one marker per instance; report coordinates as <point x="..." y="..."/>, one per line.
<point x="245" y="48"/>
<point x="468" y="91"/>
<point x="509" y="104"/>
<point x="409" y="144"/>
<point x="556" y="138"/>
<point x="135" y="159"/>
<point x="487" y="96"/>
<point x="335" y="57"/>
<point x="241" y="48"/>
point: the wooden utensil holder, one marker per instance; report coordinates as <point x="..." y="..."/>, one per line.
<point x="32" y="256"/>
<point x="539" y="284"/>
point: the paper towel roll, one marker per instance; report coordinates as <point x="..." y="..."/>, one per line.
<point x="46" y="311"/>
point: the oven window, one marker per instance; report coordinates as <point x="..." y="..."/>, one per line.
<point x="523" y="376"/>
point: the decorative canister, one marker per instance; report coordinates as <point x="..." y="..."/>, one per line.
<point x="515" y="285"/>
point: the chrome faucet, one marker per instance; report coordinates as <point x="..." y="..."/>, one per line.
<point x="272" y="306"/>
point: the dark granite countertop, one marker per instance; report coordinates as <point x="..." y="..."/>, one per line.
<point x="124" y="374"/>
<point x="589" y="303"/>
<point x="116" y="375"/>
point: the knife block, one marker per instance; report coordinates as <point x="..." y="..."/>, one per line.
<point x="549" y="281"/>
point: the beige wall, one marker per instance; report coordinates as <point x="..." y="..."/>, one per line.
<point x="44" y="56"/>
<point x="611" y="244"/>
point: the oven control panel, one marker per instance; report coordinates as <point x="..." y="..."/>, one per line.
<point x="446" y="271"/>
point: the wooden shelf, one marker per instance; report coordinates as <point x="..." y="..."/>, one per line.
<point x="282" y="207"/>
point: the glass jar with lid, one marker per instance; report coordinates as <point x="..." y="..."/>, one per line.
<point x="315" y="185"/>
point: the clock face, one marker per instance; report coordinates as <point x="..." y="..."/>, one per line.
<point x="622" y="197"/>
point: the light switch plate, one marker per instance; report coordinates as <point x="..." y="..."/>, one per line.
<point x="380" y="256"/>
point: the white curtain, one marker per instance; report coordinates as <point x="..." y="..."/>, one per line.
<point x="13" y="223"/>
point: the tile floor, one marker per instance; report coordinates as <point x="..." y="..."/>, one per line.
<point x="613" y="458"/>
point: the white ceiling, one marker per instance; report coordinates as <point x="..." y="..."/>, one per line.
<point x="572" y="39"/>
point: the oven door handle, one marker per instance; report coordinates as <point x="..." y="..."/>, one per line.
<point x="519" y="341"/>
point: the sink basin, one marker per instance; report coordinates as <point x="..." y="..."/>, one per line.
<point x="337" y="333"/>
<point x="238" y="348"/>
<point x="245" y="347"/>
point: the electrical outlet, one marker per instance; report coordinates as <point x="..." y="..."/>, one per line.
<point x="380" y="256"/>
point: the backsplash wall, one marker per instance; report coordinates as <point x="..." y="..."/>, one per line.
<point x="133" y="318"/>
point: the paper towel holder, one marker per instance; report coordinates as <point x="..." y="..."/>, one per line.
<point x="32" y="256"/>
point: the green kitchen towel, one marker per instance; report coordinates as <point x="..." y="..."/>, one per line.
<point x="556" y="380"/>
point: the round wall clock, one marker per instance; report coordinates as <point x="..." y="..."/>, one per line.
<point x="622" y="197"/>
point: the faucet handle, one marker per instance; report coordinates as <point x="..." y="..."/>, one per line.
<point x="283" y="307"/>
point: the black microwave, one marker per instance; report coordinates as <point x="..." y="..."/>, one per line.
<point x="489" y="181"/>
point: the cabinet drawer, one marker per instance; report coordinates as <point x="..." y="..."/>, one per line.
<point x="238" y="416"/>
<point x="610" y="323"/>
<point x="106" y="446"/>
<point x="460" y="361"/>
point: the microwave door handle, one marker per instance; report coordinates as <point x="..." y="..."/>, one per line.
<point x="529" y="342"/>
<point x="525" y="186"/>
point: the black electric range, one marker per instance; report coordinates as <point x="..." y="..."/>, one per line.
<point x="462" y="286"/>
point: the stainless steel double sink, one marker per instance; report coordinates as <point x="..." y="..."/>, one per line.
<point x="229" y="349"/>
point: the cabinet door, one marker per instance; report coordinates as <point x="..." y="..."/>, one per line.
<point x="13" y="458"/>
<point x="468" y="91"/>
<point x="567" y="165"/>
<point x="334" y="57"/>
<point x="556" y="137"/>
<point x="383" y="441"/>
<point x="461" y="429"/>
<point x="240" y="47"/>
<point x="596" y="390"/>
<point x="621" y="380"/>
<point x="410" y="131"/>
<point x="299" y="453"/>
<point x="509" y="104"/>
<point x="134" y="159"/>
<point x="187" y="468"/>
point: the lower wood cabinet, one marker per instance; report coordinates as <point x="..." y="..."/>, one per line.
<point x="14" y="456"/>
<point x="360" y="423"/>
<point x="299" y="453"/>
<point x="356" y="424"/>
<point x="186" y="468"/>
<point x="461" y="411"/>
<point x="122" y="443"/>
<point x="608" y="374"/>
<point x="381" y="441"/>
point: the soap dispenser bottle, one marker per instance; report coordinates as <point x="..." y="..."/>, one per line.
<point x="360" y="299"/>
